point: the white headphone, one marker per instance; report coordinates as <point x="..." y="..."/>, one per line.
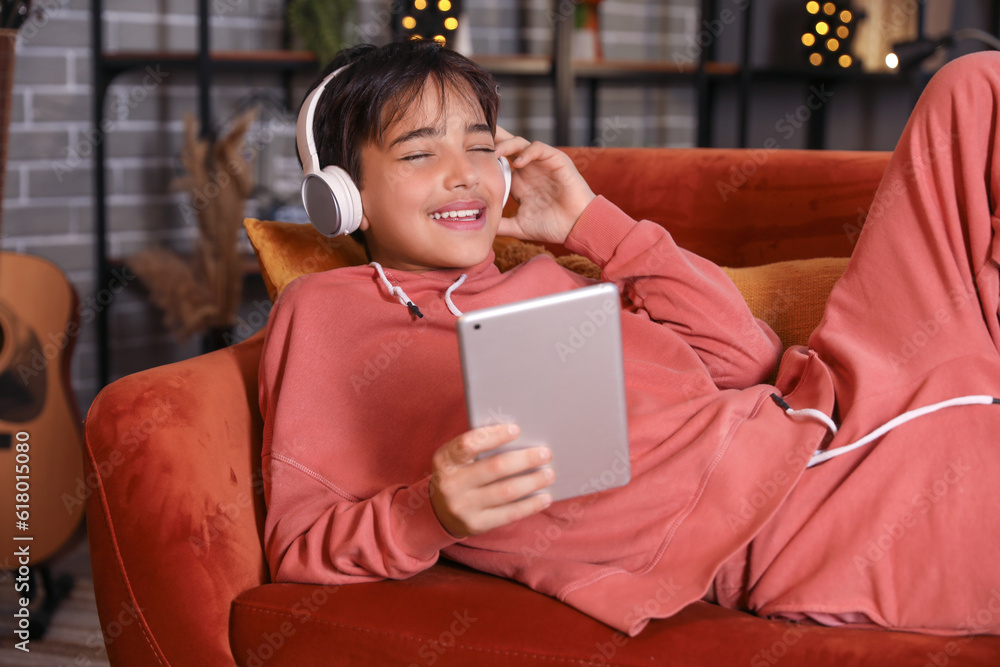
<point x="331" y="199"/>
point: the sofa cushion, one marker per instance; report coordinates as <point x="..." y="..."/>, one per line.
<point x="789" y="296"/>
<point x="451" y="615"/>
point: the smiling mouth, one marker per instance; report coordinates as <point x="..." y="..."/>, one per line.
<point x="466" y="215"/>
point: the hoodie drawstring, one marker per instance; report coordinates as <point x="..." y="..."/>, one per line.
<point x="447" y="295"/>
<point x="398" y="292"/>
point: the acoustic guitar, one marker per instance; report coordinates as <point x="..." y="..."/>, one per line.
<point x="41" y="444"/>
<point x="41" y="447"/>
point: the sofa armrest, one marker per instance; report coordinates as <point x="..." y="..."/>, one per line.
<point x="175" y="507"/>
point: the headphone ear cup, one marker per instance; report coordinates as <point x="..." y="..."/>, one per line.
<point x="332" y="201"/>
<point x="505" y="166"/>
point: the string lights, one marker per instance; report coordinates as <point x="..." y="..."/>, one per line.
<point x="831" y="28"/>
<point x="429" y="19"/>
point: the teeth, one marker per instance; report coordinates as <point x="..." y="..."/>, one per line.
<point x="469" y="213"/>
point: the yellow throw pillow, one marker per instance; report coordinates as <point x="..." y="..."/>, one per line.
<point x="287" y="250"/>
<point x="789" y="296"/>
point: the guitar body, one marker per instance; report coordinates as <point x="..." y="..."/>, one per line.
<point x="38" y="327"/>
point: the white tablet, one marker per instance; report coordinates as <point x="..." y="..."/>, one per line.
<point x="553" y="366"/>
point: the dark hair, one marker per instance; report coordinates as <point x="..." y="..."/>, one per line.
<point x="360" y="103"/>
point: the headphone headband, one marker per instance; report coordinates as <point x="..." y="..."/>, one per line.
<point x="308" y="152"/>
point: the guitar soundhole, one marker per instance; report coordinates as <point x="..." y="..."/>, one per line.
<point x="23" y="370"/>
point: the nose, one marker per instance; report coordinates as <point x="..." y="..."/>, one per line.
<point x="461" y="172"/>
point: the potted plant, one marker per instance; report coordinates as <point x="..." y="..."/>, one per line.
<point x="320" y="25"/>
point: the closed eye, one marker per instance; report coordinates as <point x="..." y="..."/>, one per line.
<point x="415" y="156"/>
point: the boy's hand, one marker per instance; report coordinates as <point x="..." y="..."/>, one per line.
<point x="550" y="192"/>
<point x="471" y="497"/>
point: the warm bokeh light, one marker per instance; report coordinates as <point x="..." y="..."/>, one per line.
<point x="409" y="22"/>
<point x="828" y="42"/>
<point x="444" y="5"/>
<point x="420" y="4"/>
<point x="451" y="23"/>
<point x="892" y="61"/>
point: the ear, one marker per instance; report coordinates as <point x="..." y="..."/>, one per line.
<point x="365" y="223"/>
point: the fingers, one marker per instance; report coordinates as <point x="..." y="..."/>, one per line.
<point x="490" y="484"/>
<point x="491" y="506"/>
<point x="535" y="150"/>
<point x="471" y="496"/>
<point x="461" y="454"/>
<point x="508" y="144"/>
<point x="510" y="489"/>
<point x="465" y="448"/>
<point x="506" y="466"/>
<point x="508" y="513"/>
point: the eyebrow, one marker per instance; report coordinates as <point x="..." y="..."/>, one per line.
<point x="423" y="132"/>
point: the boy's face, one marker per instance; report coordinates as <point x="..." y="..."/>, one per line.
<point x="432" y="195"/>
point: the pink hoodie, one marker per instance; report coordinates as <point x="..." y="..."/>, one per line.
<point x="357" y="394"/>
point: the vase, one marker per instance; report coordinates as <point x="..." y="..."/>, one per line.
<point x="587" y="32"/>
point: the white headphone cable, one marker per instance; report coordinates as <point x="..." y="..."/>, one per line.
<point x="825" y="455"/>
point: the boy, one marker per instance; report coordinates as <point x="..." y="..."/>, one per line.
<point x="356" y="493"/>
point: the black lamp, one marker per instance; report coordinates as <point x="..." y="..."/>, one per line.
<point x="906" y="55"/>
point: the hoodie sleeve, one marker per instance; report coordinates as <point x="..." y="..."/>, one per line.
<point x="315" y="531"/>
<point x="680" y="290"/>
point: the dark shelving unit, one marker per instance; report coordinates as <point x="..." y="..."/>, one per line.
<point x="204" y="63"/>
<point x="560" y="69"/>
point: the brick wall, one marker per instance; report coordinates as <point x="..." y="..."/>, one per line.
<point x="48" y="206"/>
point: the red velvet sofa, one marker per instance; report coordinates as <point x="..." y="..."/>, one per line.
<point x="176" y="515"/>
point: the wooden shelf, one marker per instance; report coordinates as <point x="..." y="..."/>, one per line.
<point x="605" y="70"/>
<point x="265" y="61"/>
<point x="838" y="74"/>
<point x="515" y="65"/>
<point x="646" y="70"/>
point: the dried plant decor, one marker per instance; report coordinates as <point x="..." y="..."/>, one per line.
<point x="202" y="292"/>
